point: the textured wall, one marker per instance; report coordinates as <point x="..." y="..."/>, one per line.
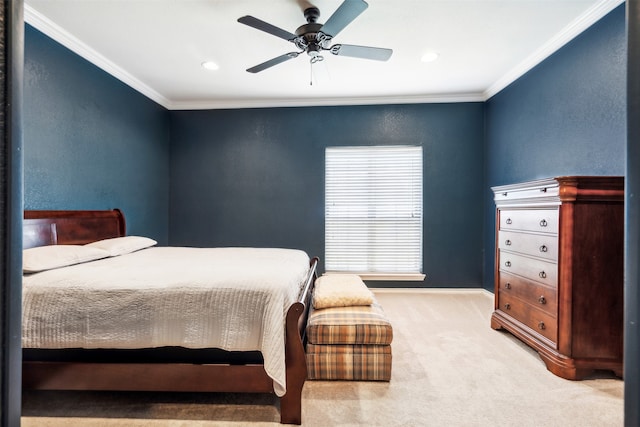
<point x="256" y="177"/>
<point x="567" y="116"/>
<point x="91" y="142"/>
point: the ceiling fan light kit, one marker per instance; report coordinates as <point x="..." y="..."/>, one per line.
<point x="315" y="38"/>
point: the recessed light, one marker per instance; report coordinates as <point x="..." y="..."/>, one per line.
<point x="210" y="65"/>
<point x="430" y="56"/>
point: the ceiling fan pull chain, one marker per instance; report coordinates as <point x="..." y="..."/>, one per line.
<point x="315" y="58"/>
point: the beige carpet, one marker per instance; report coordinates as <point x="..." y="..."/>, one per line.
<point x="449" y="369"/>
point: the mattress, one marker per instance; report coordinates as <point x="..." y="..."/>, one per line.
<point x="229" y="298"/>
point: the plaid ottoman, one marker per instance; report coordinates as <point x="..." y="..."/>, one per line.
<point x="349" y="343"/>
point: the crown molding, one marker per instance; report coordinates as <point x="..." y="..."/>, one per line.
<point x="44" y="25"/>
<point x="581" y="23"/>
<point x="215" y="104"/>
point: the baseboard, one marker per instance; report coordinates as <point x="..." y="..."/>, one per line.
<point x="432" y="291"/>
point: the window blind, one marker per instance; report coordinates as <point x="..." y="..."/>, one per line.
<point x="373" y="209"/>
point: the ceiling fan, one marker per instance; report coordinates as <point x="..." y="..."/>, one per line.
<point x="314" y="38"/>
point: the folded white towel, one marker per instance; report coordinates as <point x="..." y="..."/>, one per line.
<point x="341" y="290"/>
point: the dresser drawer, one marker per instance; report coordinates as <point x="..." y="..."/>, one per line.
<point x="543" y="190"/>
<point x="535" y="294"/>
<point x="539" y="321"/>
<point x="538" y="245"/>
<point x="539" y="220"/>
<point x="535" y="269"/>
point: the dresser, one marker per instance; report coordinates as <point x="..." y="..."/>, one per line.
<point x="559" y="270"/>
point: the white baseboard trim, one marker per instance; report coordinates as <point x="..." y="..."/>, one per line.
<point x="432" y="291"/>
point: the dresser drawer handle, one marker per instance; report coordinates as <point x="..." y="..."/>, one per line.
<point x="542" y="326"/>
<point x="543" y="223"/>
<point x="543" y="248"/>
<point x="542" y="275"/>
<point x="505" y="194"/>
<point x="507" y="306"/>
<point x="507" y="242"/>
<point x="542" y="300"/>
<point x="507" y="264"/>
<point x="508" y="221"/>
<point x="543" y="190"/>
<point x="507" y="285"/>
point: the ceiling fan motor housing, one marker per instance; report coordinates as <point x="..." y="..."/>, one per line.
<point x="308" y="38"/>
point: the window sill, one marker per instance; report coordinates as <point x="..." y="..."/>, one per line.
<point x="396" y="277"/>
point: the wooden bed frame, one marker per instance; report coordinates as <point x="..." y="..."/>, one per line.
<point x="80" y="227"/>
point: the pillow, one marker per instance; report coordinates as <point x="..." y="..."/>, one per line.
<point x="43" y="258"/>
<point x="123" y="245"/>
<point x="341" y="290"/>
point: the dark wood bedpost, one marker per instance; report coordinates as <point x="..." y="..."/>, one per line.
<point x="295" y="356"/>
<point x="291" y="402"/>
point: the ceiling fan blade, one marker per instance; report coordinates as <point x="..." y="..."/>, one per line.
<point x="347" y="12"/>
<point x="364" y="52"/>
<point x="275" y="61"/>
<point x="266" y="27"/>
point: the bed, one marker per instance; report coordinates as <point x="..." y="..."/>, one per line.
<point x="178" y="318"/>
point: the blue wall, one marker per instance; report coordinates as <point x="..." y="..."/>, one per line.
<point x="90" y="141"/>
<point x="255" y="177"/>
<point x="567" y="116"/>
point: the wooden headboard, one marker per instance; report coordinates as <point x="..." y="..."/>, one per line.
<point x="70" y="227"/>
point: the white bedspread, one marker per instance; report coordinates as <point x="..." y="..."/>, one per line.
<point x="229" y="298"/>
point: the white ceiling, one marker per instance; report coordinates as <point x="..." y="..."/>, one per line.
<point x="157" y="47"/>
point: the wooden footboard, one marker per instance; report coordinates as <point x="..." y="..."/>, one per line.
<point x="295" y="357"/>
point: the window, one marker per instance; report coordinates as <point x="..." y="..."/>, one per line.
<point x="373" y="211"/>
